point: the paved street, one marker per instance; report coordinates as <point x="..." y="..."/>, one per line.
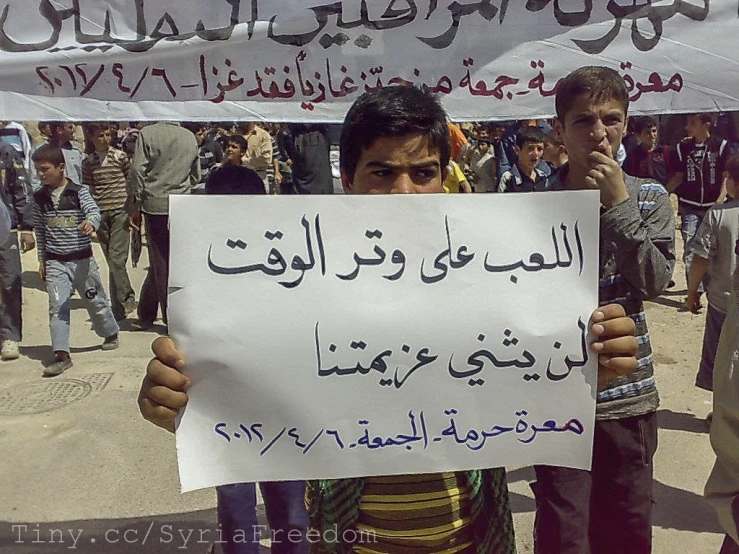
<point x="88" y="474"/>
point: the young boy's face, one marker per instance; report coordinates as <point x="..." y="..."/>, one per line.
<point x="50" y="174"/>
<point x="648" y="137"/>
<point x="696" y="128"/>
<point x="551" y="152"/>
<point x="589" y="127"/>
<point x="101" y="139"/>
<point x="529" y="155"/>
<point x="397" y="165"/>
<point x="234" y="153"/>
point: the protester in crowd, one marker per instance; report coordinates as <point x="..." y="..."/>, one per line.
<point x="259" y="152"/>
<point x="237" y="503"/>
<point x="65" y="218"/>
<point x="722" y="487"/>
<point x="699" y="163"/>
<point x="61" y="137"/>
<point x="401" y="129"/>
<point x="525" y="175"/>
<point x="455" y="180"/>
<point x="209" y="151"/>
<point x="506" y="152"/>
<point x="165" y="162"/>
<point x="308" y="147"/>
<point x="647" y="159"/>
<point x="15" y="135"/>
<point x="458" y="141"/>
<point x="555" y="153"/>
<point x="713" y="255"/>
<point x="232" y="176"/>
<point x="105" y="172"/>
<point x="16" y="196"/>
<point x="608" y="509"/>
<point x="483" y="164"/>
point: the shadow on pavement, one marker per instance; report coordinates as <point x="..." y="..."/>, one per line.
<point x="169" y="534"/>
<point x="32" y="280"/>
<point x="683" y="510"/>
<point x="678" y="421"/>
<point x="666" y="302"/>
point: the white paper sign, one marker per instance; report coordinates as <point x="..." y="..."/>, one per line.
<point x="299" y="60"/>
<point x="343" y="336"/>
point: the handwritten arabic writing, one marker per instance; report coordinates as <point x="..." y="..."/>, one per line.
<point x="220" y="81"/>
<point x="453" y="257"/>
<point x="333" y="14"/>
<point x="479" y="360"/>
<point x="419" y="436"/>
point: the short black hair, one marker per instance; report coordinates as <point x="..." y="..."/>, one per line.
<point x="527" y="133"/>
<point x="393" y="111"/>
<point x="643" y="123"/>
<point x="54" y="126"/>
<point x="194" y="126"/>
<point x="553" y="138"/>
<point x="601" y="84"/>
<point x="240" y="140"/>
<point x="703" y="117"/>
<point x="50" y="154"/>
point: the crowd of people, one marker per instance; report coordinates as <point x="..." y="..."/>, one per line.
<point x="60" y="196"/>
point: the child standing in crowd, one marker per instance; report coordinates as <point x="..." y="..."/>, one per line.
<point x="609" y="509"/>
<point x="65" y="218"/>
<point x="525" y="176"/>
<point x="714" y="256"/>
<point x="555" y="153"/>
<point x="105" y="172"/>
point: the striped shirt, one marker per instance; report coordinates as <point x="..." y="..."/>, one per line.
<point x="57" y="233"/>
<point x="106" y="176"/>
<point x="420" y="514"/>
<point x="637" y="257"/>
<point x="334" y="507"/>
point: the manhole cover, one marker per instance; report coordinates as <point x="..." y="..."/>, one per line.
<point x="35" y="398"/>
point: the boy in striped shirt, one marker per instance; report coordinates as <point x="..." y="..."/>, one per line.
<point x="65" y="218"/>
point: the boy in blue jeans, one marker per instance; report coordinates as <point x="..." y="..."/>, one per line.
<point x="65" y="218"/>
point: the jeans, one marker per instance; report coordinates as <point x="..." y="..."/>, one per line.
<point x="114" y="240"/>
<point x="607" y="510"/>
<point x="84" y="276"/>
<point x="11" y="295"/>
<point x="691" y="219"/>
<point x="286" y="514"/>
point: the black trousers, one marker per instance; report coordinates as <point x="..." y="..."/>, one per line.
<point x="607" y="510"/>
<point x="157" y="230"/>
<point x="11" y="300"/>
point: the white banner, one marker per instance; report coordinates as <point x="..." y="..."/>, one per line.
<point x="348" y="336"/>
<point x="297" y="60"/>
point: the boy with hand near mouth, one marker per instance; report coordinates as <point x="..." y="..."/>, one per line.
<point x="608" y="509"/>
<point x="524" y="176"/>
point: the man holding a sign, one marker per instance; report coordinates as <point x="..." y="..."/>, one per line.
<point x="394" y="141"/>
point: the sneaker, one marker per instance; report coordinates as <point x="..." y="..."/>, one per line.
<point x="9" y="350"/>
<point x="59" y="366"/>
<point x="111" y="342"/>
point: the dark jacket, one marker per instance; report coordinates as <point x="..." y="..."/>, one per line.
<point x="15" y="188"/>
<point x="703" y="177"/>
